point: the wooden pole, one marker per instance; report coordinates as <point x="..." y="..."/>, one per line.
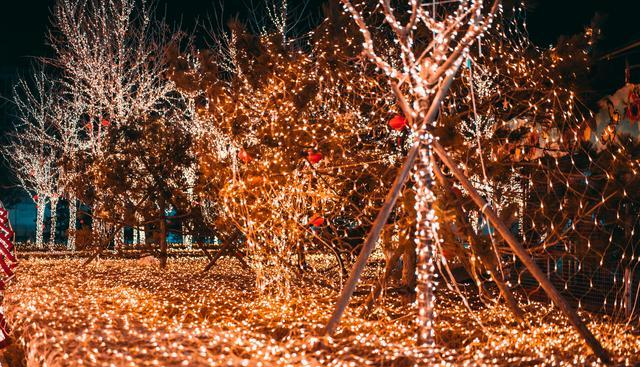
<point x="628" y="302"/>
<point x="228" y="243"/>
<point x="520" y="251"/>
<point x="370" y="242"/>
<point x="487" y="259"/>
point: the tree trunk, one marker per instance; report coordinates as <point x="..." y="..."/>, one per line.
<point x="53" y="210"/>
<point x="71" y="231"/>
<point x="426" y="234"/>
<point x="380" y="284"/>
<point x="118" y="240"/>
<point x="487" y="257"/>
<point x="40" y="206"/>
<point x="163" y="236"/>
<point x="187" y="239"/>
<point x="141" y="236"/>
<point x="409" y="266"/>
<point x="95" y="232"/>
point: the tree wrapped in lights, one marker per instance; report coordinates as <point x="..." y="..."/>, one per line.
<point x="419" y="76"/>
<point x="133" y="176"/>
<point x="110" y="54"/>
<point x="429" y="61"/>
<point x="112" y="62"/>
<point x="32" y="155"/>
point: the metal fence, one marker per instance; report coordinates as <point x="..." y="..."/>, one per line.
<point x="612" y="289"/>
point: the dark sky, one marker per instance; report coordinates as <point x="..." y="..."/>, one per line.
<point x="23" y="22"/>
<point x="23" y="25"/>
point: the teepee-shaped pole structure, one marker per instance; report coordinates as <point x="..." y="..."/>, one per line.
<point x="420" y="87"/>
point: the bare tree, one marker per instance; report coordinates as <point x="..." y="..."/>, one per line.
<point x="111" y="56"/>
<point x="431" y="44"/>
<point x="31" y="153"/>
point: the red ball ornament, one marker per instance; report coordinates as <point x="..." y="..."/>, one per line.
<point x="316" y="220"/>
<point x="244" y="156"/>
<point x="314" y="157"/>
<point x="105" y="123"/>
<point x="398" y="123"/>
<point x="35" y="197"/>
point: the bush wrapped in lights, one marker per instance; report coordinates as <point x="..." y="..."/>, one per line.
<point x="307" y="136"/>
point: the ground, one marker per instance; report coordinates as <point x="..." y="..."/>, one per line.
<point x="123" y="313"/>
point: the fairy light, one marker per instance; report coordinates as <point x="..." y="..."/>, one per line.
<point x="308" y="138"/>
<point x="64" y="313"/>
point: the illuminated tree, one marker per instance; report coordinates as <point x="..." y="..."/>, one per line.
<point x="138" y="179"/>
<point x="110" y="57"/>
<point x="432" y="44"/>
<point x="31" y="154"/>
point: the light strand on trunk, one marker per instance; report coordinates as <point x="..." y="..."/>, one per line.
<point x="71" y="231"/>
<point x="40" y="206"/>
<point x="426" y="241"/>
<point x="53" y="209"/>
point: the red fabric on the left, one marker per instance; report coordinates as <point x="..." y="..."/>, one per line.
<point x="8" y="263"/>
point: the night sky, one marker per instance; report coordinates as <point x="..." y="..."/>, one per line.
<point x="23" y="25"/>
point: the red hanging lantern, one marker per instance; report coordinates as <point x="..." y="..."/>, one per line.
<point x="314" y="157"/>
<point x="105" y="123"/>
<point x="244" y="156"/>
<point x="398" y="123"/>
<point x="316" y="221"/>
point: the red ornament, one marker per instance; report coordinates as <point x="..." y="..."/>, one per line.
<point x="244" y="156"/>
<point x="35" y="197"/>
<point x="105" y="123"/>
<point x="316" y="221"/>
<point x="314" y="157"/>
<point x="398" y="123"/>
<point x="89" y="126"/>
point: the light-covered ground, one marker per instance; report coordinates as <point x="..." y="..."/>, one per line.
<point x="120" y="313"/>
